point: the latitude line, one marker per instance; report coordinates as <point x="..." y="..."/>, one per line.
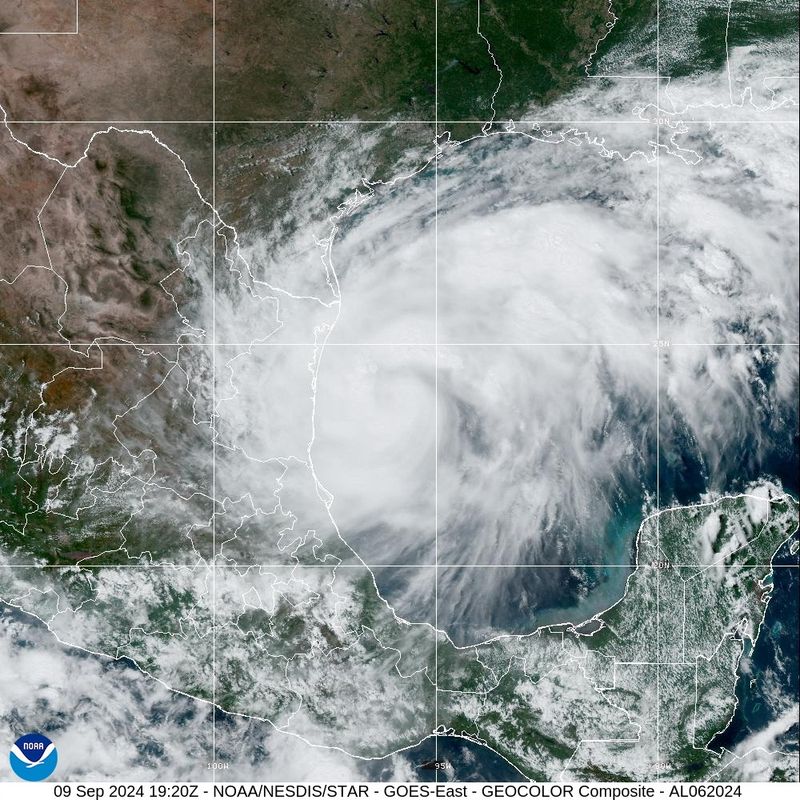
<point x="499" y="124"/>
<point x="75" y="32"/>
<point x="214" y="344"/>
<point x="301" y="566"/>
<point x="429" y="345"/>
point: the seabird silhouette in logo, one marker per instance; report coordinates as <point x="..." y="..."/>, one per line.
<point x="33" y="757"/>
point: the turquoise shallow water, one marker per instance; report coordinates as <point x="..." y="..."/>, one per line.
<point x="599" y="586"/>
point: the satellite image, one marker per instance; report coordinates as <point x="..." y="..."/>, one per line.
<point x="399" y="390"/>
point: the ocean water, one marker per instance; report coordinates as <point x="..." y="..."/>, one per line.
<point x="770" y="684"/>
<point x="599" y="586"/>
<point x="463" y="760"/>
<point x="771" y="679"/>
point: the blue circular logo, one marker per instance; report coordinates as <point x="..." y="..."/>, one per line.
<point x="33" y="757"/>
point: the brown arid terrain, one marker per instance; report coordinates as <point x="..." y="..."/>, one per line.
<point x="385" y="375"/>
<point x="113" y="222"/>
<point x="32" y="304"/>
<point x="93" y="230"/>
<point x="41" y="16"/>
<point x="95" y="195"/>
<point x="322" y="59"/>
<point x="129" y="61"/>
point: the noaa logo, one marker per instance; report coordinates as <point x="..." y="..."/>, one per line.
<point x="33" y="757"/>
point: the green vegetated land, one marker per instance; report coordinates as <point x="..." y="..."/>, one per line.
<point x="392" y="59"/>
<point x="377" y="59"/>
<point x="697" y="36"/>
<point x="579" y="700"/>
<point x="666" y="656"/>
<point x="541" y="48"/>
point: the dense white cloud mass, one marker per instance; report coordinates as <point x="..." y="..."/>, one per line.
<point x="548" y="277"/>
<point x="375" y="449"/>
<point x="90" y="707"/>
<point x="482" y="363"/>
<point x="385" y="254"/>
<point x="547" y="252"/>
<point x="111" y="722"/>
<point x="538" y="448"/>
<point x="511" y="270"/>
<point x="729" y="236"/>
<point x="754" y="80"/>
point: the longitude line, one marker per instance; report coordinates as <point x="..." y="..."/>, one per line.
<point x="436" y="356"/>
<point x="658" y="387"/>
<point x="213" y="390"/>
<point x="436" y="391"/>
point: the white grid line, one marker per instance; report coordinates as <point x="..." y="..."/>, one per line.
<point x="429" y="345"/>
<point x="436" y="395"/>
<point x="75" y="32"/>
<point x="436" y="344"/>
<point x="213" y="389"/>
<point x="426" y="122"/>
<point x="288" y="565"/>
<point x="658" y="389"/>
